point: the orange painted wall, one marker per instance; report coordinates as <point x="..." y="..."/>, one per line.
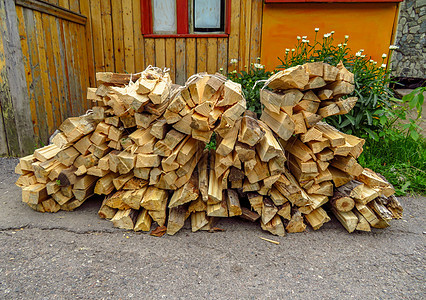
<point x="369" y="26"/>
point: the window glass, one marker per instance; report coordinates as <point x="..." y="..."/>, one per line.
<point x="207" y="14"/>
<point x="164" y="16"/>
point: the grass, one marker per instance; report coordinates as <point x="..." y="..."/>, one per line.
<point x="401" y="160"/>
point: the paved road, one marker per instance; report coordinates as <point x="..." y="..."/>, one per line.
<point x="78" y="256"/>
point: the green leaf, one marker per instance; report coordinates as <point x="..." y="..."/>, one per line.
<point x="408" y="97"/>
<point x="369" y="117"/>
<point x="413" y="102"/>
<point x="372" y="134"/>
<point x="405" y="187"/>
<point x="351" y="119"/>
<point x="345" y="123"/>
<point x="420" y="102"/>
<point x="358" y="119"/>
<point x="375" y="100"/>
<point x="414" y="135"/>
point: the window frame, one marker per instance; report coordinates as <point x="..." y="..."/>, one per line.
<point x="182" y="19"/>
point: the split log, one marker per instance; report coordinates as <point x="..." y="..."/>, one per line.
<point x="317" y="218"/>
<point x="348" y="219"/>
<point x="280" y="123"/>
<point x="198" y="220"/>
<point x="154" y="198"/>
<point x="269" y="210"/>
<point x="363" y="224"/>
<point x="143" y="221"/>
<point x="218" y="210"/>
<point x="34" y="194"/>
<point x="249" y="215"/>
<point x="294" y="77"/>
<point x="106" y="212"/>
<point x="296" y="223"/>
<point x="46" y="153"/>
<point x="233" y="203"/>
<point x="275" y="226"/>
<point x="187" y="193"/>
<point x="177" y="217"/>
<point x="125" y="219"/>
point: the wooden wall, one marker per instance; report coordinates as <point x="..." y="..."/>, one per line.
<point x="50" y="51"/>
<point x="114" y="27"/>
<point x="16" y="132"/>
<point x="41" y="52"/>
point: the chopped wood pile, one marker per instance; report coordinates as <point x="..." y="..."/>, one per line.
<point x="143" y="147"/>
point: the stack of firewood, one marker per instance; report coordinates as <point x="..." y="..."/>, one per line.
<point x="143" y="147"/>
<point x="322" y="159"/>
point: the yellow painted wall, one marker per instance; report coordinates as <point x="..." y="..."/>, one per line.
<point x="369" y="26"/>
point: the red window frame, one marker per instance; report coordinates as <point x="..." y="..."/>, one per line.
<point x="182" y="28"/>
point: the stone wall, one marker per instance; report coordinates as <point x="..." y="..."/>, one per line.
<point x="410" y="59"/>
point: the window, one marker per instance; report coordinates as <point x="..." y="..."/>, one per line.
<point x="164" y="18"/>
<point x="208" y="15"/>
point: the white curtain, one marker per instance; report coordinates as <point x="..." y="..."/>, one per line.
<point x="164" y="16"/>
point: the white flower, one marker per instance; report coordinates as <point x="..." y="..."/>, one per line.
<point x="221" y="69"/>
<point x="375" y="62"/>
<point x="292" y="50"/>
<point x="287" y="50"/>
<point x="346" y="36"/>
<point x="339" y="45"/>
<point x="362" y="56"/>
<point x="393" y="47"/>
<point x="384" y="55"/>
<point x="332" y="32"/>
<point x="358" y="54"/>
<point x="305" y="41"/>
<point x="345" y="44"/>
<point x="383" y="66"/>
<point x="372" y="61"/>
<point x="258" y="66"/>
<point x="316" y="29"/>
<point x="235" y="71"/>
<point x="361" y="50"/>
<point x="298" y="37"/>
<point x="304" y="37"/>
<point x="234" y="61"/>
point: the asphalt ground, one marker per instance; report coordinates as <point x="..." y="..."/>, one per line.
<point x="76" y="255"/>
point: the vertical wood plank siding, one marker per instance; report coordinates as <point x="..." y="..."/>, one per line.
<point x="59" y="59"/>
<point x="119" y="46"/>
<point x="46" y="65"/>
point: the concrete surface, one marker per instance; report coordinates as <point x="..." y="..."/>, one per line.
<point x="79" y="256"/>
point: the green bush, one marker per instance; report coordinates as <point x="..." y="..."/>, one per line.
<point x="372" y="79"/>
